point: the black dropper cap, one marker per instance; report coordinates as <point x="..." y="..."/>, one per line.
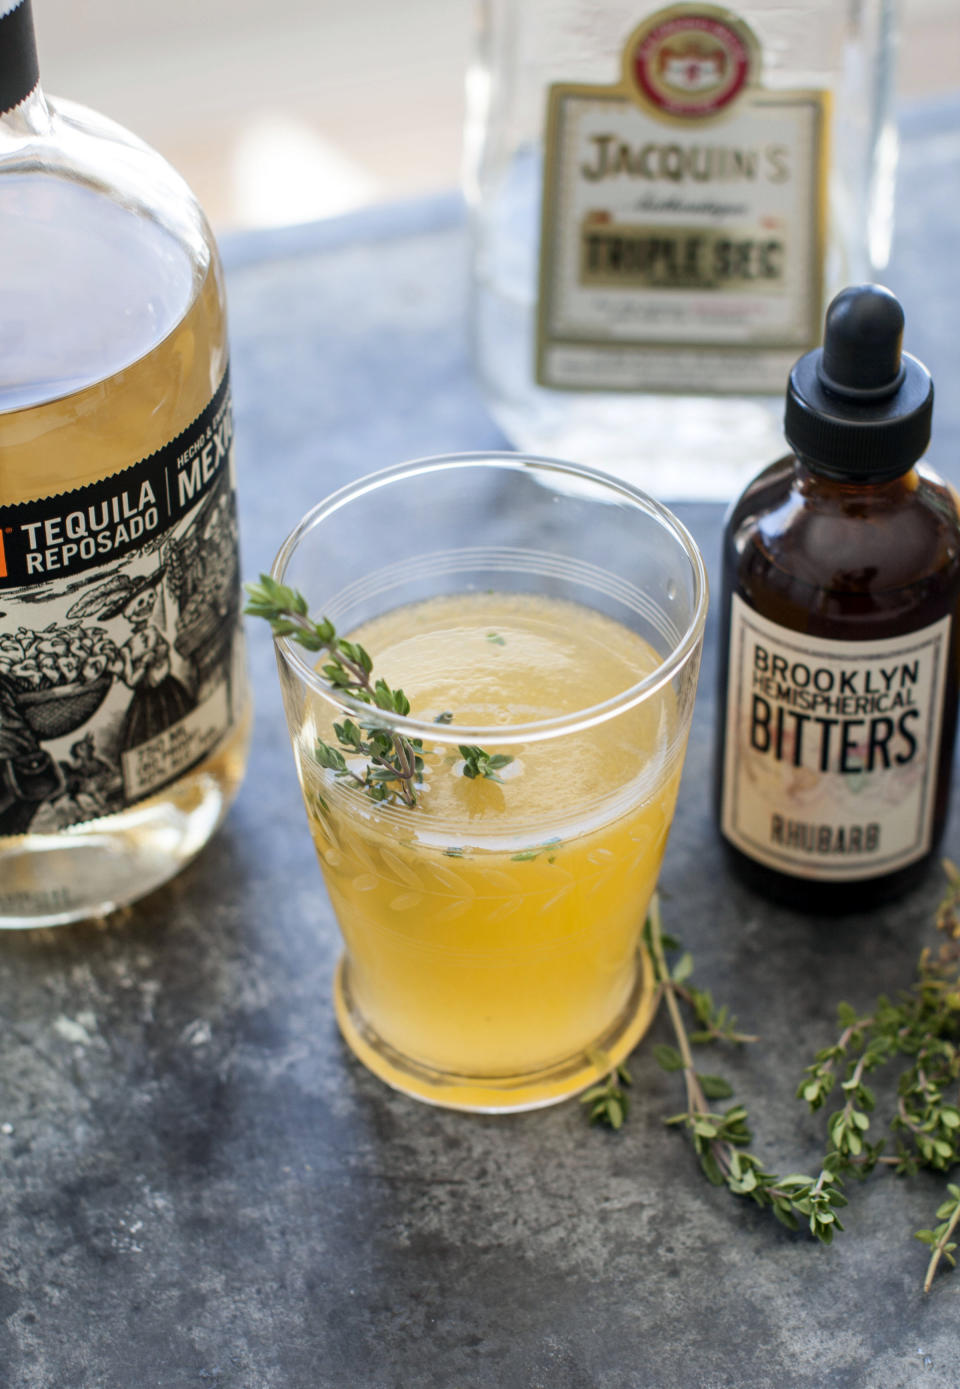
<point x="858" y="408"/>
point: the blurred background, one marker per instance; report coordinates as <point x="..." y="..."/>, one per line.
<point x="287" y="111"/>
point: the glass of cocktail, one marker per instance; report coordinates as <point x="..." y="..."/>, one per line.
<point x="552" y="618"/>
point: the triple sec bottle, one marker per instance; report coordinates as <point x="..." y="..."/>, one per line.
<point x="124" y="713"/>
<point x="664" y="198"/>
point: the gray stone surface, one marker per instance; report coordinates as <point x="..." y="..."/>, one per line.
<point x="201" y="1186"/>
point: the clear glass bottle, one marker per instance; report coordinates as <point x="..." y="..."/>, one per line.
<point x="657" y="349"/>
<point x="124" y="709"/>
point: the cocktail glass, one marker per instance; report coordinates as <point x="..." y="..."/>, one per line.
<point x="493" y="956"/>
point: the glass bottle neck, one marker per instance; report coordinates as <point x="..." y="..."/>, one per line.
<point x="811" y="479"/>
<point x="31" y="117"/>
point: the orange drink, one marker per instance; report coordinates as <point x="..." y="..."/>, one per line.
<point x="492" y="930"/>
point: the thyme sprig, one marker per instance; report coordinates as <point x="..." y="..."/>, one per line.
<point x="393" y="763"/>
<point x="939" y="1239"/>
<point x="721" y="1138"/>
<point x="608" y="1099"/>
<point x="920" y="1027"/>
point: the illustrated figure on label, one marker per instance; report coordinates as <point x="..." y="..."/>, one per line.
<point x="52" y="679"/>
<point x="205" y="580"/>
<point x="28" y="774"/>
<point x="90" y="779"/>
<point x="143" y="661"/>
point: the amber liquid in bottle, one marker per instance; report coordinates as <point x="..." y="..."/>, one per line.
<point x="852" y="562"/>
<point x="53" y="439"/>
<point x="124" y="716"/>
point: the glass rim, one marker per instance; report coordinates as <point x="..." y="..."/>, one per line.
<point x="579" y="720"/>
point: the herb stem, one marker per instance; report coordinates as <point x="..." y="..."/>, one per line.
<point x="720" y="1140"/>
<point x="710" y="1030"/>
<point x="696" y="1100"/>
<point x="940" y="1248"/>
<point x="721" y="1150"/>
<point x="667" y="990"/>
<point x="908" y="1123"/>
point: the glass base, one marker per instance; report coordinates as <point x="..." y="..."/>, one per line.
<point x="496" y="1094"/>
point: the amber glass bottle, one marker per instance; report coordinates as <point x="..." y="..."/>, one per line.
<point x="839" y="659"/>
<point x="124" y="715"/>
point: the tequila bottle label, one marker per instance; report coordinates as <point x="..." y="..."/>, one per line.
<point x="831" y="747"/>
<point x="683" y="217"/>
<point x="120" y="651"/>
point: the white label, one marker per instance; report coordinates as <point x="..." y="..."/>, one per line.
<point x="162" y="758"/>
<point x="831" y="749"/>
<point x="120" y="642"/>
<point x="680" y="251"/>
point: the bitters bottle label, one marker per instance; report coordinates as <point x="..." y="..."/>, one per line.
<point x="120" y="642"/>
<point x="831" y="748"/>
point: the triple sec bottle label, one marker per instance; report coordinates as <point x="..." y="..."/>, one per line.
<point x="831" y="748"/>
<point x="120" y="641"/>
<point x="683" y="218"/>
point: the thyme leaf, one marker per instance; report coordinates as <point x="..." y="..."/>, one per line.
<point x="608" y="1101"/>
<point x="477" y="763"/>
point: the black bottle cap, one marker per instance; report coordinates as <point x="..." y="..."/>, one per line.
<point x="857" y="408"/>
<point x="19" y="73"/>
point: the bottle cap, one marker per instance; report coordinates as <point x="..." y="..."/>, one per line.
<point x="858" y="408"/>
<point x="19" y="73"/>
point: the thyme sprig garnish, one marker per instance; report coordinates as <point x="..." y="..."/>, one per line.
<point x="921" y="1027"/>
<point x="393" y="763"/>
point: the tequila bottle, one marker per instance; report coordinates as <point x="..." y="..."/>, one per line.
<point x="124" y="714"/>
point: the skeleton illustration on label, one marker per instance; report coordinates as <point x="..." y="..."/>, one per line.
<point x="143" y="661"/>
<point x="117" y="677"/>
